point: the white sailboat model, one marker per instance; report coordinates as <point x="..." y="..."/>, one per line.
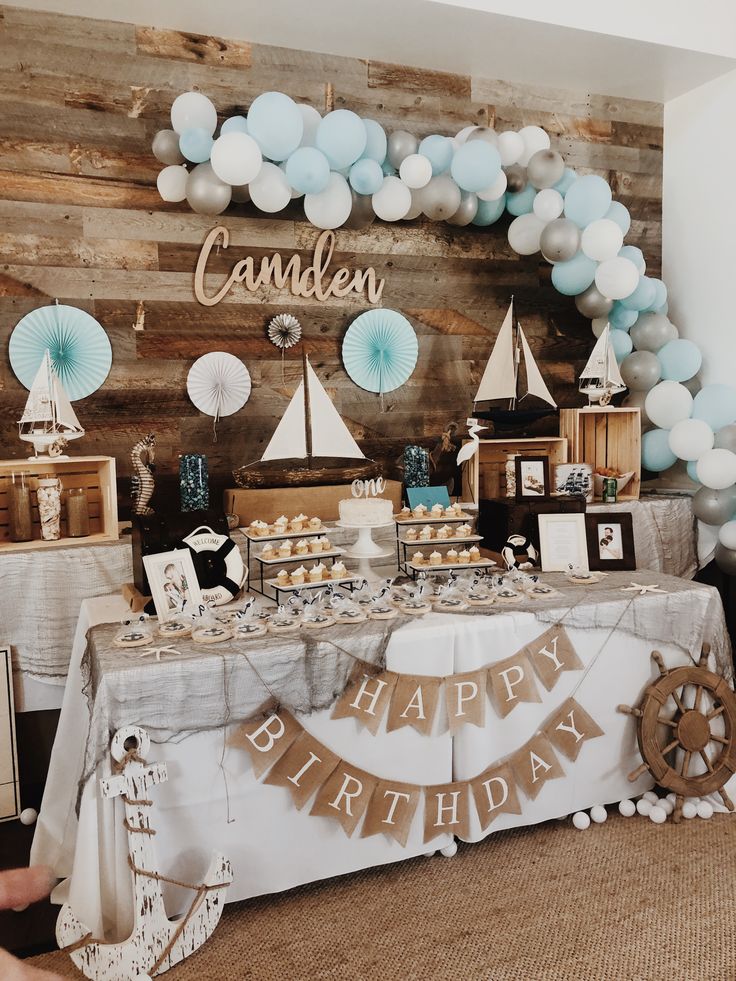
<point x="48" y="417"/>
<point x="601" y="379"/>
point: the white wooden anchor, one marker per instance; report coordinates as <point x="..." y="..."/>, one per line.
<point x="156" y="943"/>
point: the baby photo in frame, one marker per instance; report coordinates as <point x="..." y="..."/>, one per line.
<point x="610" y="536"/>
<point x="532" y="477"/>
<point x="173" y="582"/>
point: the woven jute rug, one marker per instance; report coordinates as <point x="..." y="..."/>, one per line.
<point x="623" y="901"/>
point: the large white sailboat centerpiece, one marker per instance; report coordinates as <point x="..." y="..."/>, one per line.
<point x="601" y="379"/>
<point x="48" y="420"/>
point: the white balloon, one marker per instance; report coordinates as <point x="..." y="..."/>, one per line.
<point x="416" y="171"/>
<point x="172" y="183"/>
<point x="598" y="813"/>
<point x="270" y="191"/>
<point x="617" y="278"/>
<point x="598" y="325"/>
<point x="463" y="135"/>
<point x="331" y="207"/>
<point x="727" y="534"/>
<point x="311" y="119"/>
<point x="581" y="820"/>
<point x="717" y="469"/>
<point x="627" y="808"/>
<point x="392" y="200"/>
<point x="497" y="188"/>
<point x="690" y="438"/>
<point x="534" y="138"/>
<point x="524" y="234"/>
<point x="668" y="403"/>
<point x="192" y="110"/>
<point x="236" y="158"/>
<point x="602" y="239"/>
<point x="548" y="204"/>
<point x="658" y="815"/>
<point x="511" y="147"/>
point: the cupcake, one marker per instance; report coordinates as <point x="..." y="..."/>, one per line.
<point x="451" y="557"/>
<point x="315" y="545"/>
<point x="411" y="535"/>
<point x="437" y="510"/>
<point x="474" y="553"/>
<point x="435" y="558"/>
<point x="285" y="551"/>
<point x="405" y="513"/>
<point x="316" y="573"/>
<point x="338" y="571"/>
<point x="425" y="534"/>
<point x="419" y="511"/>
<point x="464" y="557"/>
<point x="418" y="558"/>
<point x="268" y="552"/>
<point x="297" y="523"/>
<point x="315" y="524"/>
<point x="463" y="531"/>
<point x="282" y="577"/>
<point x="451" y="511"/>
<point x="259" y="528"/>
<point x="443" y="532"/>
<point x="297" y="576"/>
<point x="301" y="547"/>
<point x="325" y="543"/>
<point x="281" y="524"/>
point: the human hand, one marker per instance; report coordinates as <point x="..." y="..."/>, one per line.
<point x="19" y="887"/>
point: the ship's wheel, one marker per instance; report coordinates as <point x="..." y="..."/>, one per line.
<point x="688" y="713"/>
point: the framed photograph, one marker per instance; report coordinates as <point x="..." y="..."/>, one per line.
<point x="532" y="477"/>
<point x="573" y="480"/>
<point x="562" y="542"/>
<point x="173" y="581"/>
<point x="610" y="540"/>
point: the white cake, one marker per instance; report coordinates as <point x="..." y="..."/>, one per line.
<point x="368" y="511"/>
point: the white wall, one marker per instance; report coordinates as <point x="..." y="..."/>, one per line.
<point x="699" y="221"/>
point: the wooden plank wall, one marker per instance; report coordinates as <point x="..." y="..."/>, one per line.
<point x="81" y="220"/>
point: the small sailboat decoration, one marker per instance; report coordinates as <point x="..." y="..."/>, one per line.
<point x="601" y="379"/>
<point x="311" y="444"/>
<point x="48" y="418"/>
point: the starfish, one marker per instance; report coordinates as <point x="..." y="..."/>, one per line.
<point x="158" y="651"/>
<point x="642" y="588"/>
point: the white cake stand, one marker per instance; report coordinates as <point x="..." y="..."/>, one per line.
<point x="365" y="550"/>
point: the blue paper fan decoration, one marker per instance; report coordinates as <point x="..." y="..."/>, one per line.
<point x="379" y="350"/>
<point x="80" y="349"/>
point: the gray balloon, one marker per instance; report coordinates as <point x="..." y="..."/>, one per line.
<point x="545" y="168"/>
<point x="652" y="331"/>
<point x="726" y="438"/>
<point x="726" y="559"/>
<point x="362" y="213"/>
<point x="241" y="193"/>
<point x="441" y="198"/>
<point x="166" y="147"/>
<point x="714" y="507"/>
<point x="560" y="240"/>
<point x="693" y="385"/>
<point x="400" y="145"/>
<point x="484" y="133"/>
<point x="515" y="179"/>
<point x="467" y="210"/>
<point x="641" y="370"/>
<point x="206" y="193"/>
<point x="592" y="303"/>
<point x="636" y="400"/>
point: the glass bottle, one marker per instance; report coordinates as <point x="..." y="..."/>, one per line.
<point x="77" y="513"/>
<point x="194" y="490"/>
<point x="20" y="515"/>
<point x="48" y="496"/>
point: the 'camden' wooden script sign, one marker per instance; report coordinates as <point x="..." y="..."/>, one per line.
<point x="314" y="281"/>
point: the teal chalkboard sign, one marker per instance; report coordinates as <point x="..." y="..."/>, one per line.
<point x="428" y="496"/>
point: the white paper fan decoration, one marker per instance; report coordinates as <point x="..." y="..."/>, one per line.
<point x="218" y="384"/>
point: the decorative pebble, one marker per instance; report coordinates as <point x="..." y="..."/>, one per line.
<point x="689" y="810"/>
<point x="20" y="909"/>
<point x="28" y="816"/>
<point x="643" y="806"/>
<point x="627" y="808"/>
<point x="705" y="809"/>
<point x="672" y="798"/>
<point x="581" y="820"/>
<point x="666" y="804"/>
<point x="658" y="815"/>
<point x="449" y="850"/>
<point x="598" y="814"/>
<point x="651" y="797"/>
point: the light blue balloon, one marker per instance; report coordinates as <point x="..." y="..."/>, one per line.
<point x="660" y="297"/>
<point x="574" y="276"/>
<point x="564" y="184"/>
<point x="635" y="255"/>
<point x="522" y="202"/>
<point x="475" y="165"/>
<point x="438" y="150"/>
<point x="620" y="214"/>
<point x="388" y="168"/>
<point x="716" y="405"/>
<point x="489" y="211"/>
<point x="588" y="199"/>
<point x="308" y="171"/>
<point x="366" y="176"/>
<point x="196" y="144"/>
<point x="276" y="124"/>
<point x="656" y="454"/>
<point x="235" y="124"/>
<point x="680" y="359"/>
<point x="342" y="137"/>
<point x="621" y="318"/>
<point x="376" y="145"/>
<point x="621" y="344"/>
<point x="692" y="471"/>
<point x="642" y="297"/>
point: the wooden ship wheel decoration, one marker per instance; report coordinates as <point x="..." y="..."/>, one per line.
<point x="682" y="715"/>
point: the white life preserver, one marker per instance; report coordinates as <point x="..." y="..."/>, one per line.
<point x="225" y="563"/>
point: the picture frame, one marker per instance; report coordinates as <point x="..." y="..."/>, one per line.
<point x="172" y="578"/>
<point x="573" y="480"/>
<point x="10" y="801"/>
<point x="563" y="541"/>
<point x="610" y="536"/>
<point x="532" y="478"/>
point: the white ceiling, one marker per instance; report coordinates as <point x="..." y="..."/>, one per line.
<point x="467" y="37"/>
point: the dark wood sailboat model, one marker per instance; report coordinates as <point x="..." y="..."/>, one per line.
<point x="311" y="445"/>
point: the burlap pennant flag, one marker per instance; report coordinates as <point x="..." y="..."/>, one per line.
<point x="570" y="727"/>
<point x="495" y="793"/>
<point x="465" y="696"/>
<point x="391" y="810"/>
<point x="534" y="764"/>
<point x="551" y="654"/>
<point x="304" y="766"/>
<point x="345" y="796"/>
<point x="366" y="697"/>
<point x="266" y="738"/>
<point x="414" y="703"/>
<point x="447" y="810"/>
<point x="512" y="682"/>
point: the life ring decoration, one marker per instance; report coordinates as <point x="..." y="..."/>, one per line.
<point x="218" y="563"/>
<point x="702" y="727"/>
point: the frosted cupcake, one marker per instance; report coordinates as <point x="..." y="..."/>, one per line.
<point x="315" y="524"/>
<point x="425" y="534"/>
<point x="281" y="524"/>
<point x="301" y="547"/>
<point x="411" y="535"/>
<point x="420" y="511"/>
<point x="297" y="523"/>
<point x="474" y="553"/>
<point x="464" y="557"/>
<point x="451" y="557"/>
<point x="297" y="576"/>
<point x="315" y="545"/>
<point x="285" y="551"/>
<point x="464" y="530"/>
<point x="259" y="528"/>
<point x="338" y="571"/>
<point x="418" y="558"/>
<point x="437" y="510"/>
<point x="443" y="532"/>
<point x="282" y="577"/>
<point x="435" y="558"/>
<point x="268" y="552"/>
<point x="451" y="511"/>
<point x="405" y="513"/>
<point x="316" y="573"/>
<point x="325" y="543"/>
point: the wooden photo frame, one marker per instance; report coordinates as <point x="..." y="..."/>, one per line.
<point x="173" y="580"/>
<point x="532" y="478"/>
<point x="562" y="541"/>
<point x="610" y="537"/>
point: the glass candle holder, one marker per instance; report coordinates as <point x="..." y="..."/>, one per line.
<point x="77" y="513"/>
<point x="20" y="515"/>
<point x="48" y="496"/>
<point x="194" y="489"/>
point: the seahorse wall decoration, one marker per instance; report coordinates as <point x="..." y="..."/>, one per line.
<point x="142" y="484"/>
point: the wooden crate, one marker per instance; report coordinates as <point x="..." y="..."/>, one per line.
<point x="606" y="437"/>
<point x="96" y="474"/>
<point x="484" y="475"/>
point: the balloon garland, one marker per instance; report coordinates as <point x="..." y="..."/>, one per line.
<point x="349" y="172"/>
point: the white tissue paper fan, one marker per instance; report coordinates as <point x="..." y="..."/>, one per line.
<point x="218" y="384"/>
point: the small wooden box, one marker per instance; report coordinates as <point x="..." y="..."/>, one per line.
<point x="484" y="475"/>
<point x="96" y="474"/>
<point x="606" y="437"/>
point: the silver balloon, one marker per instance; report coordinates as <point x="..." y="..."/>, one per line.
<point x="641" y="370"/>
<point x="714" y="507"/>
<point x="417" y="204"/>
<point x="484" y="133"/>
<point x="441" y="198"/>
<point x="241" y="194"/>
<point x="560" y="240"/>
<point x="362" y="213"/>
<point x="545" y="168"/>
<point x="467" y="210"/>
<point x="206" y="193"/>
<point x="726" y="438"/>
<point x="166" y="147"/>
<point x="652" y="331"/>
<point x="515" y="179"/>
<point x="637" y="400"/>
<point x="592" y="303"/>
<point x="693" y="385"/>
<point x="726" y="559"/>
<point x="400" y="145"/>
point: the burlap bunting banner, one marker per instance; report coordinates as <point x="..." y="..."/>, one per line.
<point x="570" y="727"/>
<point x="447" y="810"/>
<point x="551" y="654"/>
<point x="494" y="793"/>
<point x="465" y="696"/>
<point x="534" y="764"/>
<point x="266" y="738"/>
<point x="303" y="768"/>
<point x="391" y="810"/>
<point x="345" y="795"/>
<point x="512" y="682"/>
<point x="414" y="703"/>
<point x="366" y="697"/>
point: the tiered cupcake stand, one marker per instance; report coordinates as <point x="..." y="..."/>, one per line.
<point x="410" y="568"/>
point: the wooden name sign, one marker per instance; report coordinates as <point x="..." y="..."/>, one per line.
<point x="309" y="282"/>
